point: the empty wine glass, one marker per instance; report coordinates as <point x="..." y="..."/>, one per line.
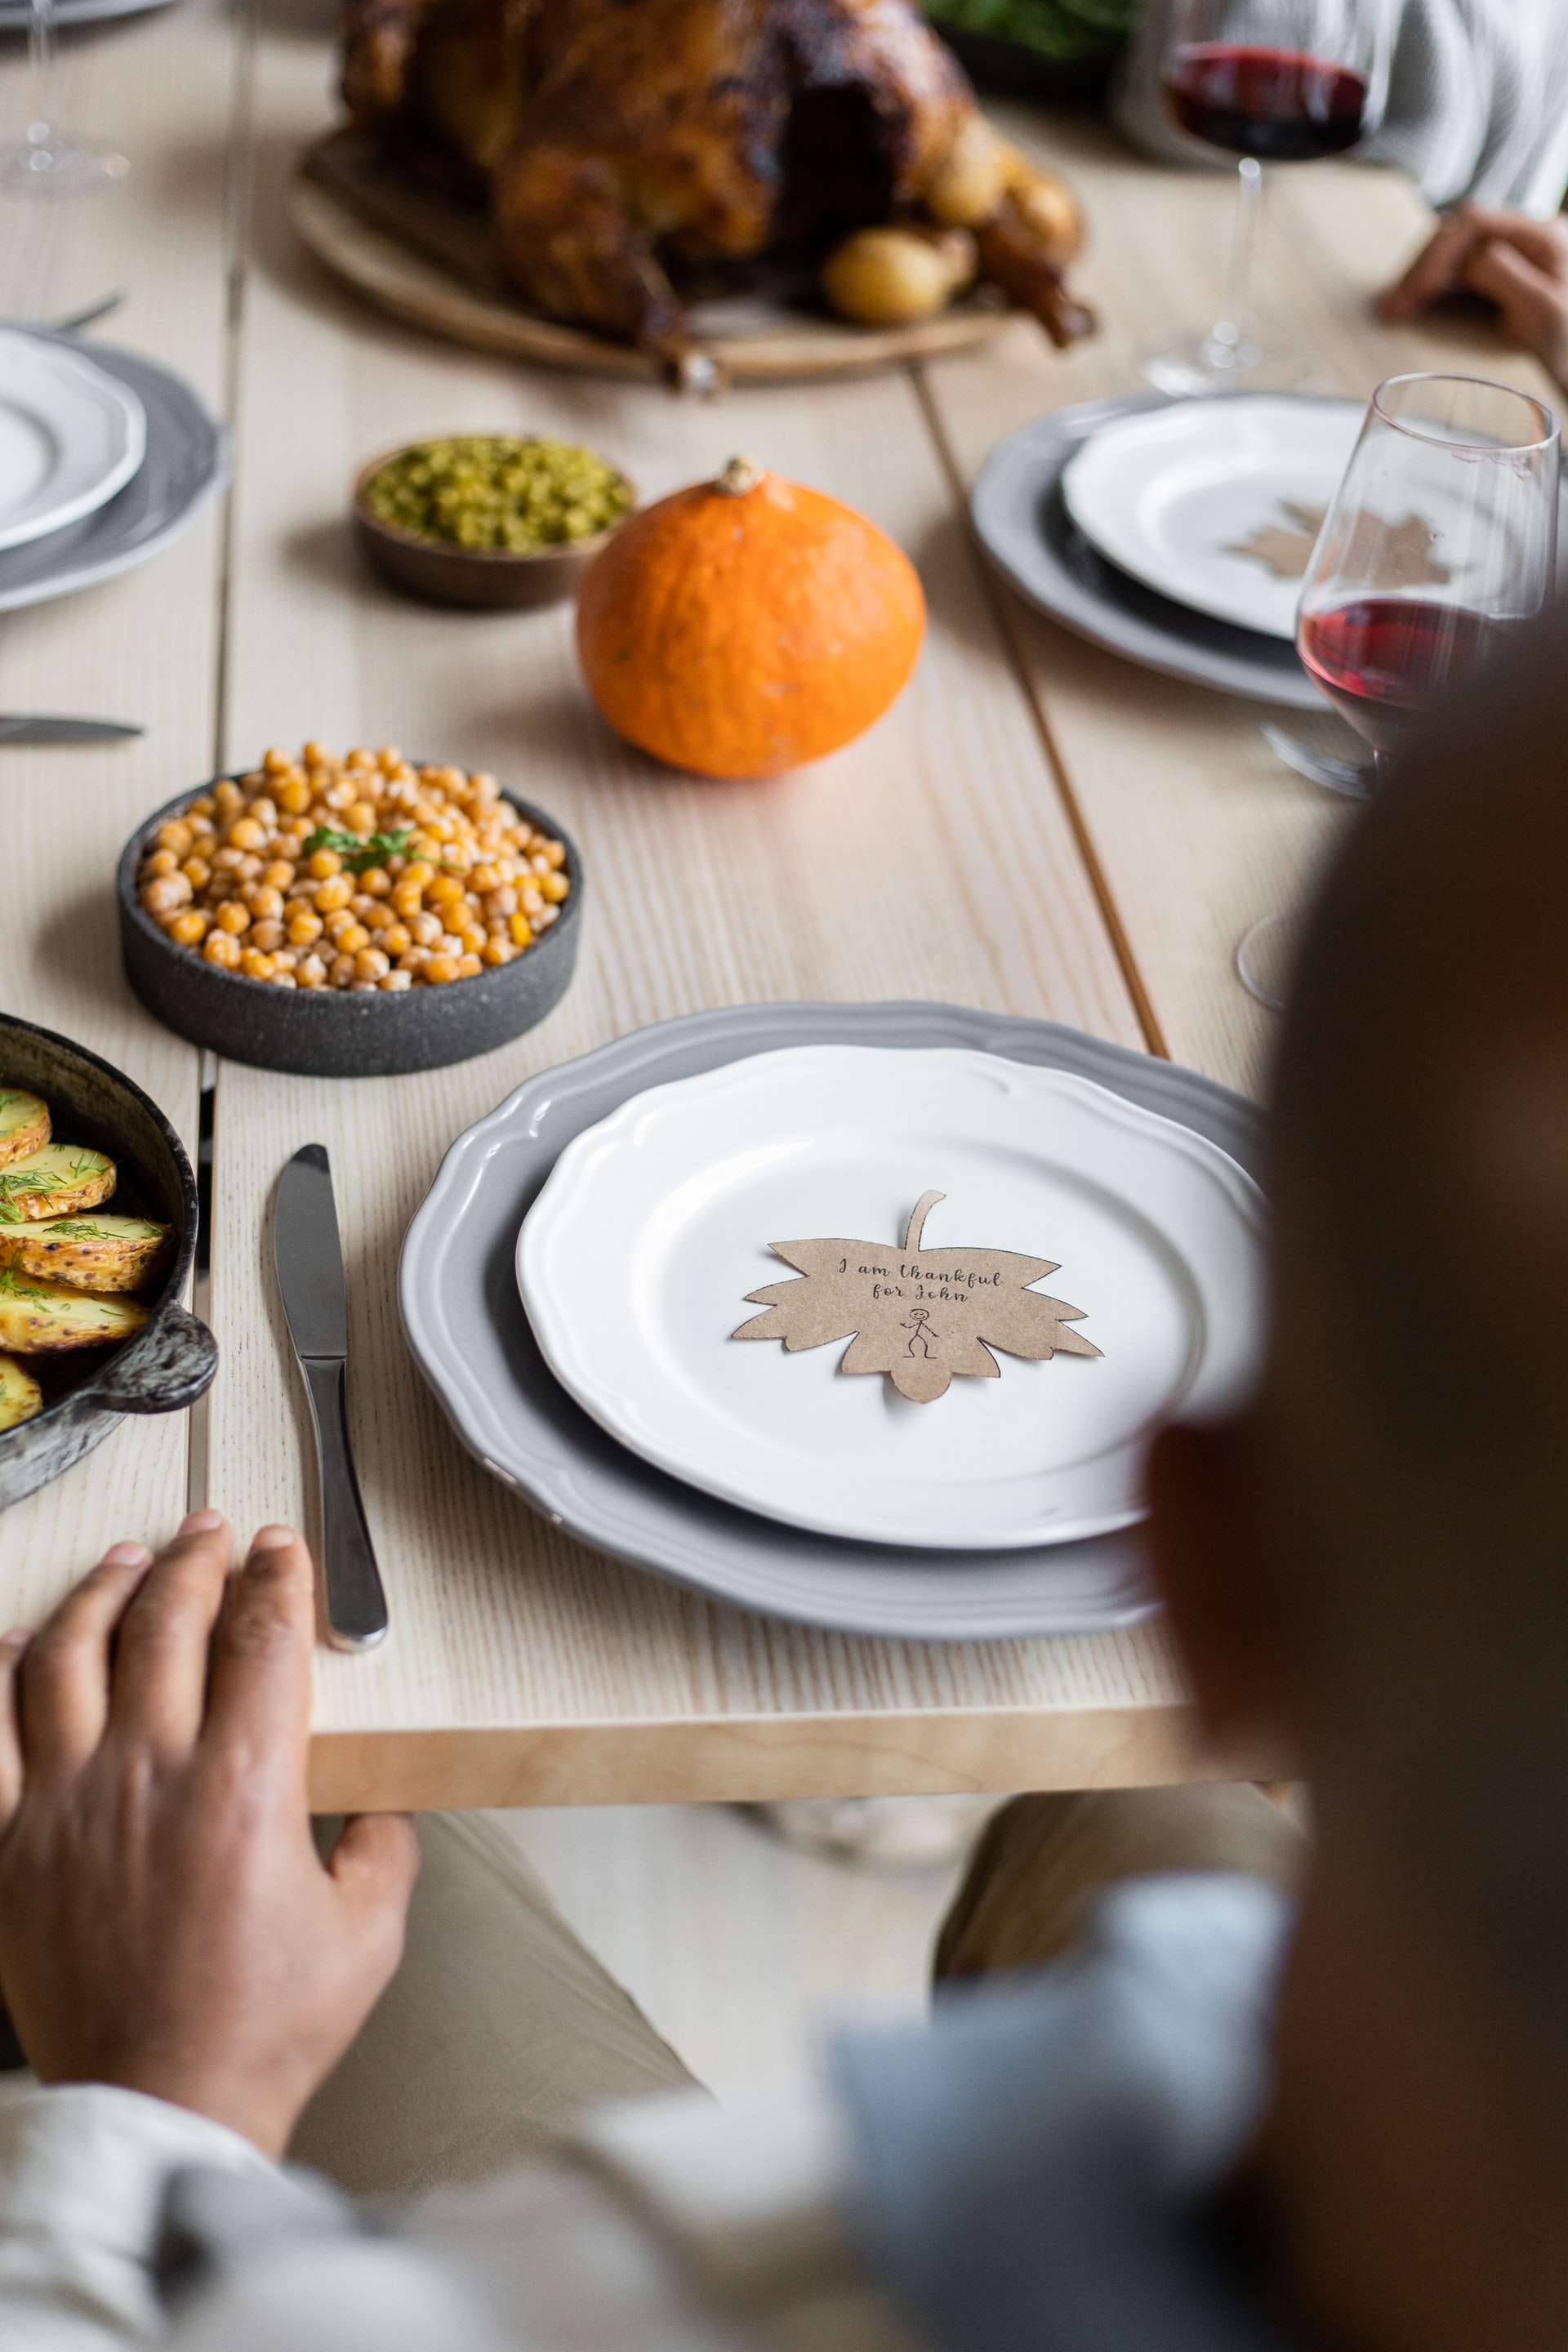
<point x="1270" y="81"/>
<point x="44" y="162"/>
<point x="1440" y="543"/>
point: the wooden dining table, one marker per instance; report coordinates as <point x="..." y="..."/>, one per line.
<point x="1036" y="827"/>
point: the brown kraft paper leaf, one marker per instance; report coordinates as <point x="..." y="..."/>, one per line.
<point x="919" y="1316"/>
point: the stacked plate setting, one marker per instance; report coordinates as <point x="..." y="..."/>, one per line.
<point x="104" y="458"/>
<point x="1175" y="532"/>
<point x="572" y="1284"/>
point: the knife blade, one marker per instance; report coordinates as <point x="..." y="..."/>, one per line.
<point x="67" y="730"/>
<point x="308" y="1257"/>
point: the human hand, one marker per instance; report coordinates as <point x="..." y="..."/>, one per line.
<point x="1516" y="262"/>
<point x="165" y="1924"/>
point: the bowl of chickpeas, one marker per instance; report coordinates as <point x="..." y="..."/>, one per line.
<point x="359" y="915"/>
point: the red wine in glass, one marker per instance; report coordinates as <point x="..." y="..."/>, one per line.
<point x="1380" y="659"/>
<point x="1282" y="106"/>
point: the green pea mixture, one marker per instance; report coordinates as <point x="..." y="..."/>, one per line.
<point x="490" y="490"/>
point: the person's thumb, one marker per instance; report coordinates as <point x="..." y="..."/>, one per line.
<point x="374" y="1865"/>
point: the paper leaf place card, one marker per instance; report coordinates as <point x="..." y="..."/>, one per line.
<point x="919" y="1315"/>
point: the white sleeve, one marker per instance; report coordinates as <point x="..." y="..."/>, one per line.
<point x="83" y="2172"/>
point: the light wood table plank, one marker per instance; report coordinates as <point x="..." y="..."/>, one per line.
<point x="141" y="647"/>
<point x="934" y="859"/>
<point x="1194" y="826"/>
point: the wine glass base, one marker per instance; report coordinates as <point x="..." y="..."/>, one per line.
<point x="53" y="166"/>
<point x="1221" y="359"/>
<point x="1265" y="959"/>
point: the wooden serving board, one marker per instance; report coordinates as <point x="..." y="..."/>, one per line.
<point x="432" y="263"/>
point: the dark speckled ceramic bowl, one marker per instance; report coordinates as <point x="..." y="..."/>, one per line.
<point x="172" y="1359"/>
<point x="329" y="1033"/>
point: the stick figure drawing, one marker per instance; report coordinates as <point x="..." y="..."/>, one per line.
<point x="920" y="1345"/>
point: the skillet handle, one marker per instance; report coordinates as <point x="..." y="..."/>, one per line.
<point x="166" y="1371"/>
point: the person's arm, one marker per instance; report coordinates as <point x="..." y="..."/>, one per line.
<point x="181" y="1968"/>
<point x="1516" y="262"/>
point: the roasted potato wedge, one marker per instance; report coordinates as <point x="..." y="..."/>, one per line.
<point x="39" y="1317"/>
<point x="57" y="1182"/>
<point x="24" y="1124"/>
<point x="20" y="1395"/>
<point x="93" y="1253"/>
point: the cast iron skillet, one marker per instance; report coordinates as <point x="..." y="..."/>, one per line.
<point x="173" y="1359"/>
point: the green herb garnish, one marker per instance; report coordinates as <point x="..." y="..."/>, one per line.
<point x="360" y="856"/>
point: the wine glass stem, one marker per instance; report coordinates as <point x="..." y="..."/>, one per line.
<point x="40" y="59"/>
<point x="1230" y="328"/>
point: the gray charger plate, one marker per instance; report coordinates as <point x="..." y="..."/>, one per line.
<point x="186" y="464"/>
<point x="466" y="1326"/>
<point x="1022" y="524"/>
<point x="14" y="17"/>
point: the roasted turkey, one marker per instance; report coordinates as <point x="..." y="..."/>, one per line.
<point x="624" y="143"/>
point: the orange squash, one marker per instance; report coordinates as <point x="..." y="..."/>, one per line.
<point x="745" y="625"/>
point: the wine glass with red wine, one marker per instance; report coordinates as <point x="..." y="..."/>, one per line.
<point x="1269" y="82"/>
<point x="1441" y="542"/>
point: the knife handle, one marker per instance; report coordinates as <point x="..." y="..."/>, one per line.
<point x="355" y="1603"/>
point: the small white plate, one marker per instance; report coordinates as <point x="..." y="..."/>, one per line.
<point x="634" y="1263"/>
<point x="1171" y="496"/>
<point x="71" y="436"/>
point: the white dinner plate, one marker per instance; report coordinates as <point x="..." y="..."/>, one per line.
<point x="636" y="1261"/>
<point x="1177" y="496"/>
<point x="71" y="436"/>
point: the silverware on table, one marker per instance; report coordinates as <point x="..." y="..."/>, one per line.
<point x="1355" y="778"/>
<point x="88" y="316"/>
<point x="310" y="1264"/>
<point x="67" y="730"/>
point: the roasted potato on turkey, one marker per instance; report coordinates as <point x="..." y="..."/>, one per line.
<point x="57" y="1182"/>
<point x="92" y="1253"/>
<point x="886" y="276"/>
<point x="39" y="1317"/>
<point x="20" y="1395"/>
<point x="23" y="1124"/>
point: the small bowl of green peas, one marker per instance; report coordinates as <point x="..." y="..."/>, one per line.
<point x="493" y="520"/>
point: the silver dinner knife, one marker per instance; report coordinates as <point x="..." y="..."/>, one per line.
<point x="67" y="730"/>
<point x="309" y="1262"/>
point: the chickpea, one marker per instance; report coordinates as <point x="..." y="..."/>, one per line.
<point x="256" y="965"/>
<point x="161" y="861"/>
<point x="333" y="893"/>
<point x="444" y="891"/>
<point x="414" y="959"/>
<point x="221" y="948"/>
<point x="197" y="872"/>
<point x="265" y="903"/>
<point x="278" y="875"/>
<point x="469" y="967"/>
<point x="294" y="794"/>
<point x="370" y="964"/>
<point x="283" y="980"/>
<point x="396" y="981"/>
<point x="359" y="756"/>
<point x="389" y="759"/>
<point x="166" y="894"/>
<point x="360" y="817"/>
<point x="522" y="931"/>
<point x="554" y="853"/>
<point x="304" y="930"/>
<point x="314" y="754"/>
<point x="499" y="902"/>
<point x="351" y="941"/>
<point x="201" y="806"/>
<point x="323" y="864"/>
<point x="174" y="835"/>
<point x="233" y="917"/>
<point x="376" y="882"/>
<point x="250" y="868"/>
<point x="396" y="939"/>
<point x="544" y="918"/>
<point x="416" y="874"/>
<point x="228" y="861"/>
<point x="425" y="930"/>
<point x="341" y="971"/>
<point x="267" y="935"/>
<point x="554" y="887"/>
<point x="277" y="763"/>
<point x="190" y="928"/>
<point x="311" y="972"/>
<point x="442" y="967"/>
<point x="496" y="951"/>
<point x="246" y="834"/>
<point x="226" y="795"/>
<point x="286" y="958"/>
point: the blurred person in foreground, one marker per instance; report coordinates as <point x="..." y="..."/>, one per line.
<point x="1215" y="2122"/>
